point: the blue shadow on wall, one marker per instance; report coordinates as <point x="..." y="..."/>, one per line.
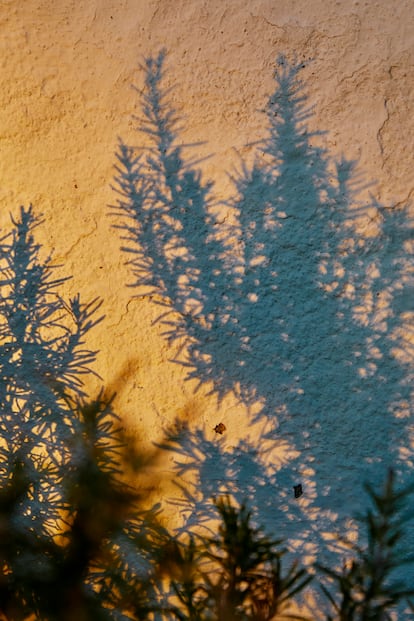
<point x="43" y="359"/>
<point x="288" y="302"/>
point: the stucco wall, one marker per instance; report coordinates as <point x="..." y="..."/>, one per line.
<point x="66" y="96"/>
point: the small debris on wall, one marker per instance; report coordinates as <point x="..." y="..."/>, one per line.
<point x="298" y="491"/>
<point x="220" y="428"/>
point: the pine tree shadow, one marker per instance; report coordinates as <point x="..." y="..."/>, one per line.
<point x="289" y="303"/>
<point x="43" y="360"/>
<point x="76" y="540"/>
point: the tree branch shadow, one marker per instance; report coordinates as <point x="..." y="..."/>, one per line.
<point x="298" y="301"/>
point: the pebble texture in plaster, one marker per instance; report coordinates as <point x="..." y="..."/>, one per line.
<point x="67" y="71"/>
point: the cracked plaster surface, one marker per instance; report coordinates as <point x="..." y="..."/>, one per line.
<point x="65" y="96"/>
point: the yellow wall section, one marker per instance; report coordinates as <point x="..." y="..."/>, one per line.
<point x="67" y="70"/>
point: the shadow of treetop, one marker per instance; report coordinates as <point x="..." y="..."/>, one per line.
<point x="289" y="302"/>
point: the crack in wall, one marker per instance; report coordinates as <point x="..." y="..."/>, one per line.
<point x="64" y="257"/>
<point x="380" y="132"/>
<point x="404" y="201"/>
<point x="151" y="297"/>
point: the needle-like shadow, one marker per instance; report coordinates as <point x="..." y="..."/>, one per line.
<point x="77" y="541"/>
<point x="298" y="302"/>
<point x="42" y="361"/>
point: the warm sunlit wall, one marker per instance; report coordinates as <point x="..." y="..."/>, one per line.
<point x="66" y="95"/>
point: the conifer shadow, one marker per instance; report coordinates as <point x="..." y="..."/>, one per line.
<point x="43" y="359"/>
<point x="76" y="539"/>
<point x="297" y="301"/>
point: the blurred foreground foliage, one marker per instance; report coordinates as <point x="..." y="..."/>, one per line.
<point x="107" y="558"/>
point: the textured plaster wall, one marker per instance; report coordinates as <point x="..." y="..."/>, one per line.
<point x="67" y="68"/>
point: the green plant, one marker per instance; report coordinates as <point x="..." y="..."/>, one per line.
<point x="366" y="589"/>
<point x="235" y="576"/>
